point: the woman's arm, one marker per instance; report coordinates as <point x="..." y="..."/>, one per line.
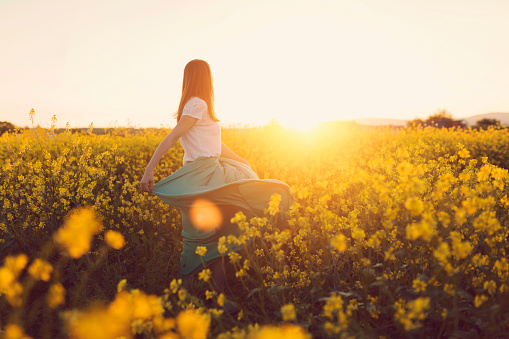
<point x="184" y="124"/>
<point x="228" y="153"/>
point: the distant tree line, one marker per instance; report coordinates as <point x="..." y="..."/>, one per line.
<point x="442" y="118"/>
<point x="485" y="123"/>
<point x="6" y="126"/>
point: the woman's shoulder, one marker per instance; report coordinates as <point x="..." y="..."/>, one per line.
<point x="195" y="107"/>
<point x="196" y="102"/>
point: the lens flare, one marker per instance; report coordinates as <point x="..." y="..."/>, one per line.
<point x="205" y="215"/>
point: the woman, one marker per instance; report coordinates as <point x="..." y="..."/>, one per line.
<point x="206" y="182"/>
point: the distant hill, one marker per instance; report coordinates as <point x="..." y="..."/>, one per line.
<point x="503" y="117"/>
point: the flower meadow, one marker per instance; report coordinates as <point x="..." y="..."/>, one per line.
<point x="394" y="233"/>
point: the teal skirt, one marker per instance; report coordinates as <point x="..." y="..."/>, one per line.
<point x="227" y="187"/>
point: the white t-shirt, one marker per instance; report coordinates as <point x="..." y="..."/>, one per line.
<point x="204" y="138"/>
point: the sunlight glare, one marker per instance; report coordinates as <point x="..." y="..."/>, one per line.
<point x="205" y="215"/>
<point x="302" y="125"/>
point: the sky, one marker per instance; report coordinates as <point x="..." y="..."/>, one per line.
<point x="119" y="63"/>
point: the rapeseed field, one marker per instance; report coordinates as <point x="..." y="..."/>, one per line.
<point x="394" y="233"/>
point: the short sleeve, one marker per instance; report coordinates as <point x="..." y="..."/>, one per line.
<point x="195" y="108"/>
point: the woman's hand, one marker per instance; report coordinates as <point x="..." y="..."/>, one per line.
<point x="184" y="124"/>
<point x="147" y="182"/>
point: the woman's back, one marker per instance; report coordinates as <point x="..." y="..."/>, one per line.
<point x="204" y="138"/>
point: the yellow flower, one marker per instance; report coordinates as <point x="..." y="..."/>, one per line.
<point x="464" y="153"/>
<point x="465" y="176"/>
<point x="288" y="312"/>
<point x="484" y="173"/>
<point x="334" y="304"/>
<point x="201" y="250"/>
<point x="16" y="264"/>
<point x="339" y="242"/>
<point x="193" y="325"/>
<point x="480" y="260"/>
<point x="425" y="228"/>
<point x="502" y="268"/>
<point x="286" y="331"/>
<point x="461" y="249"/>
<point x="121" y="285"/>
<point x="9" y="272"/>
<point x="460" y="215"/>
<point x="221" y="299"/>
<point x="275" y="199"/>
<point x="442" y="252"/>
<point x="96" y="323"/>
<point x="40" y="269"/>
<point x="419" y="285"/>
<point x="161" y="325"/>
<point x="414" y="205"/>
<point x="490" y="286"/>
<point x="221" y="245"/>
<point x="144" y="306"/>
<point x="238" y="218"/>
<point x="78" y="230"/>
<point x="240" y="315"/>
<point x="6" y="278"/>
<point x="241" y="273"/>
<point x="479" y="300"/>
<point x="209" y="294"/>
<point x="504" y="200"/>
<point x="234" y="257"/>
<point x="358" y="233"/>
<point x="205" y="275"/>
<point x="168" y="335"/>
<point x="449" y="289"/>
<point x="469" y="206"/>
<point x="499" y="175"/>
<point x="174" y="285"/>
<point x="56" y="295"/>
<point x="404" y="169"/>
<point x="13" y="331"/>
<point x="114" y="239"/>
<point x="411" y="314"/>
<point x="444" y="218"/>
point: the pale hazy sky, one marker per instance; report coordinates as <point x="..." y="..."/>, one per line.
<point x="300" y="61"/>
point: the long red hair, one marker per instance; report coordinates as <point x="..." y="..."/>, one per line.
<point x="197" y="82"/>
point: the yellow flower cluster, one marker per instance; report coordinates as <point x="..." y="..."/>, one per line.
<point x="13" y="331"/>
<point x="56" y="295"/>
<point x="78" y="230"/>
<point x="339" y="243"/>
<point x="9" y="273"/>
<point x="274" y="202"/>
<point x="114" y="239"/>
<point x="288" y="312"/>
<point x="201" y="250"/>
<point x="285" y="331"/>
<point x="116" y="319"/>
<point x="40" y="269"/>
<point x="411" y="314"/>
<point x="192" y="324"/>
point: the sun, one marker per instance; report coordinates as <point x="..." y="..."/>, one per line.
<point x="301" y="125"/>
